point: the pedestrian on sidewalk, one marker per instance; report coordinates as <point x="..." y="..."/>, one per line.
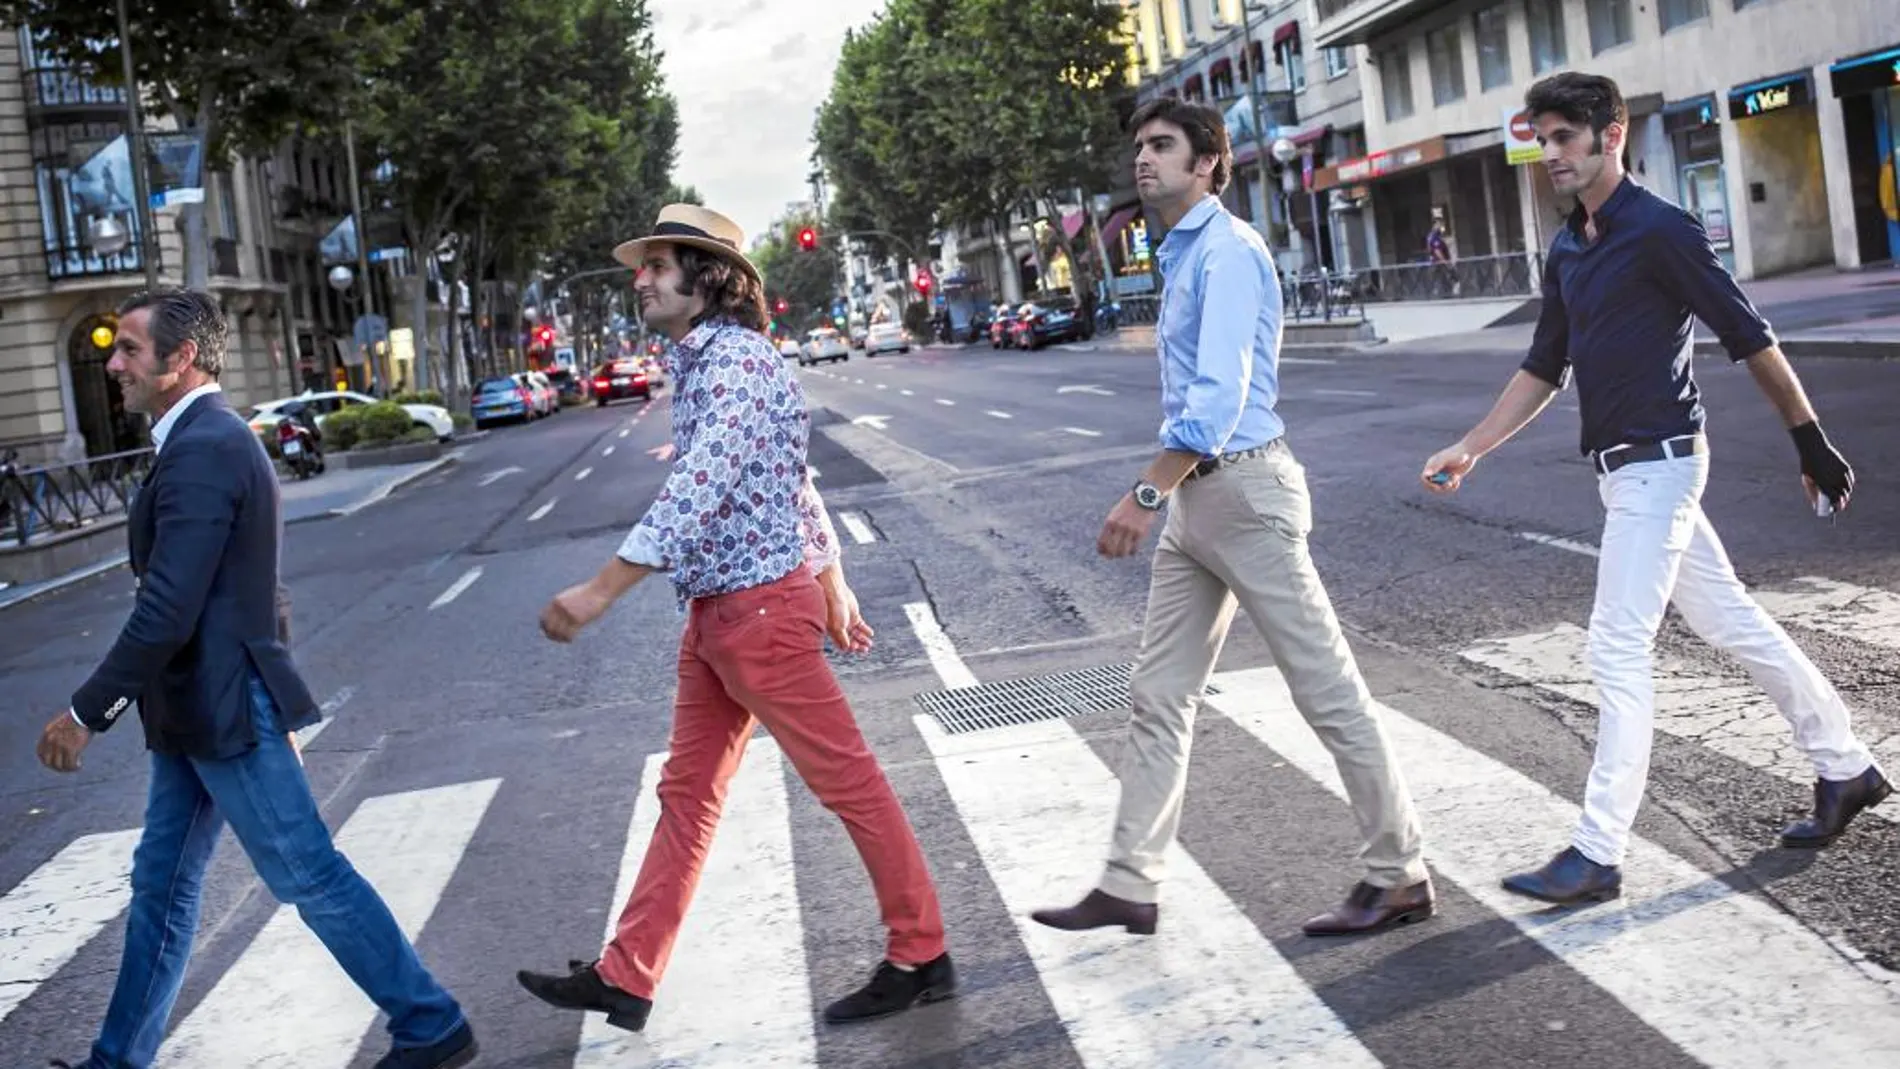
<point x="747" y="543"/>
<point x="203" y="655"/>
<point x="1623" y="283"/>
<point x="1235" y="536"/>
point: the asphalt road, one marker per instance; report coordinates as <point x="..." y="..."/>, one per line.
<point x="969" y="487"/>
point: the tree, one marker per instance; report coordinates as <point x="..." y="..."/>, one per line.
<point x="240" y="76"/>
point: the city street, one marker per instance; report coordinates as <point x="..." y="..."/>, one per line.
<point x="498" y="788"/>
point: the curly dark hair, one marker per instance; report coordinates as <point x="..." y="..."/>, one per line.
<point x="1205" y="129"/>
<point x="179" y="316"/>
<point x="1579" y="98"/>
<point x="729" y="291"/>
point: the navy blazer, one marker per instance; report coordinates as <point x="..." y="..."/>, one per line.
<point x="205" y="530"/>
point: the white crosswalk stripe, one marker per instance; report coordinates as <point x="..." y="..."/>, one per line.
<point x="1728" y="979"/>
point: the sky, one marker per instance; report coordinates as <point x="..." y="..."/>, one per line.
<point x="749" y="76"/>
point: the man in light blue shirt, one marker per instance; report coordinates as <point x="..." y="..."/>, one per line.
<point x="1235" y="537"/>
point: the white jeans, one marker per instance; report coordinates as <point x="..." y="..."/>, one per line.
<point x="1658" y="547"/>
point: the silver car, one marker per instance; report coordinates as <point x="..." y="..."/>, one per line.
<point x="823" y="344"/>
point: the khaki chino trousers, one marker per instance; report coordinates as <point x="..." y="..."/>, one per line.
<point x="1236" y="538"/>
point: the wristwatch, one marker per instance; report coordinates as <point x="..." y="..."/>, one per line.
<point x="1149" y="496"/>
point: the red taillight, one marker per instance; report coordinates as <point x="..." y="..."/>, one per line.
<point x="286" y="430"/>
<point x="600" y="384"/>
<point x="526" y="397"/>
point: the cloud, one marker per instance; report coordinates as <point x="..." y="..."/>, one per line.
<point x="749" y="76"/>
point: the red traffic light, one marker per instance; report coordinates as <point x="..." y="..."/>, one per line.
<point x="780" y="306"/>
<point x="544" y="335"/>
<point x="923" y="282"/>
<point x="808" y="239"/>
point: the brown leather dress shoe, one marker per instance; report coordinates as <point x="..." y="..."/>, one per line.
<point x="1370" y="909"/>
<point x="1102" y="910"/>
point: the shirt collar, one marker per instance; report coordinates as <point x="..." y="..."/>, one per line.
<point x="1199" y="215"/>
<point x="696" y="340"/>
<point x="163" y="428"/>
<point x="1606" y="216"/>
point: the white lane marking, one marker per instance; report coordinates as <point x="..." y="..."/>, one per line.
<point x="883" y="386"/>
<point x="542" y="512"/>
<point x="285" y="1002"/>
<point x="1090" y="388"/>
<point x="1555" y="542"/>
<point x="860" y="531"/>
<point x="58" y="908"/>
<point x="876" y="423"/>
<point x="1306" y="360"/>
<point x="328" y="711"/>
<point x="1731" y="980"/>
<point x="494" y="477"/>
<point x="946" y="402"/>
<point x="624" y="431"/>
<point x="607" y="452"/>
<point x="457" y="588"/>
<point x="1212" y="992"/>
<point x="813" y="472"/>
<point x="582" y="474"/>
<point x="908" y="393"/>
<point x="938" y="647"/>
<point x="860" y="382"/>
<point x="1345" y="393"/>
<point x="998" y="415"/>
<point x="1083" y="431"/>
<point x="745" y="920"/>
<point x="1861" y="613"/>
<point x="1733" y="717"/>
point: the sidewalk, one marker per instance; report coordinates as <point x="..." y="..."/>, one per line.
<point x="336" y="492"/>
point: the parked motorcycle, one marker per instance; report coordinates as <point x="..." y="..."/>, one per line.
<point x="298" y="443"/>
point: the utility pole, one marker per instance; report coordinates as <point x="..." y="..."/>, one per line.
<point x="135" y="133"/>
<point x="368" y="302"/>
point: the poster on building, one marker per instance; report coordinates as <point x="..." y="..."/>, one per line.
<point x="176" y="169"/>
<point x="339" y="245"/>
<point x="102" y="183"/>
<point x="1520" y="138"/>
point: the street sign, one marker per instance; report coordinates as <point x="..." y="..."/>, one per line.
<point x="1520" y="138"/>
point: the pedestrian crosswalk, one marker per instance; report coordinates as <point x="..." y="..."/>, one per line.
<point x="1718" y="976"/>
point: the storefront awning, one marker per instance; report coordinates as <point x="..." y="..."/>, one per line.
<point x="1288" y="31"/>
<point x="1072" y="224"/>
<point x="1119" y="221"/>
<point x="1192" y="88"/>
<point x="1381" y="164"/>
<point x="1307" y="137"/>
<point x="1771" y="94"/>
<point x="1219" y="67"/>
<point x="1866" y="73"/>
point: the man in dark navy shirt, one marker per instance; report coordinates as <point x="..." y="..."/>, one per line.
<point x="1623" y="284"/>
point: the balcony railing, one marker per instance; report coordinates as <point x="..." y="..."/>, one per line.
<point x="61" y="87"/>
<point x="39" y="503"/>
<point x="68" y="256"/>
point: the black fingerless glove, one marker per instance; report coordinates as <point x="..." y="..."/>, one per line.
<point x="1821" y="462"/>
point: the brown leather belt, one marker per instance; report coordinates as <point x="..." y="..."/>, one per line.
<point x="1214" y="464"/>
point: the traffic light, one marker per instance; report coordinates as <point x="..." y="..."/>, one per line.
<point x="923" y="282"/>
<point x="808" y="239"/>
<point x="544" y="336"/>
<point x="780" y="306"/>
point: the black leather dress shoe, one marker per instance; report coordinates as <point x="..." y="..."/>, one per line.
<point x="1102" y="910"/>
<point x="583" y="989"/>
<point x="894" y="990"/>
<point x="1369" y="909"/>
<point x="1567" y="878"/>
<point x="452" y="1051"/>
<point x="1836" y="804"/>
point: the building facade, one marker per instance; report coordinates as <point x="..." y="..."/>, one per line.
<point x="63" y="165"/>
<point x="1775" y="121"/>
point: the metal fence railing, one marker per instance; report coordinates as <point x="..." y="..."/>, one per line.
<point x="1513" y="275"/>
<point x="37" y="503"/>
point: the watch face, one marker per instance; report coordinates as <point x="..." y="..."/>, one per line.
<point x="1147" y="497"/>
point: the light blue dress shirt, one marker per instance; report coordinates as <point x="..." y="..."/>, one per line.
<point x="1218" y="335"/>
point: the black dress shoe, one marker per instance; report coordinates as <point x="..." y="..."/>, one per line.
<point x="452" y="1051"/>
<point x="1369" y="909"/>
<point x="1836" y="804"/>
<point x="1568" y="878"/>
<point x="1102" y="910"/>
<point x="894" y="990"/>
<point x="583" y="989"/>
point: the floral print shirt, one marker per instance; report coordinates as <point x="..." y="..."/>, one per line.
<point x="739" y="509"/>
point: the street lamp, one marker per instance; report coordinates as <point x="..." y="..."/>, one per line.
<point x="341" y="277"/>
<point x="106" y="236"/>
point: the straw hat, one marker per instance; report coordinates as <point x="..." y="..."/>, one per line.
<point x="690" y="224"/>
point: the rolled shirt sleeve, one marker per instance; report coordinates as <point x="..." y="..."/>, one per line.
<point x="1549" y="357"/>
<point x="1233" y="292"/>
<point x="1687" y="265"/>
<point x="814" y="523"/>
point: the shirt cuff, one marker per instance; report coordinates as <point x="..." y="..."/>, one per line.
<point x="643" y="547"/>
<point x="1189" y="436"/>
<point x="74" y="713"/>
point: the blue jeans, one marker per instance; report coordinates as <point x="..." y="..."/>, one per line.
<point x="264" y="796"/>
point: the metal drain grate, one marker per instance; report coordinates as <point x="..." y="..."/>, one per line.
<point x="1007" y="702"/>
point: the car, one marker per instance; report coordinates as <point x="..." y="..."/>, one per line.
<point x="547" y="400"/>
<point x="501" y="399"/>
<point x="1045" y="322"/>
<point x="885" y="338"/>
<point x="787" y="347"/>
<point x="265" y="415"/>
<point x="824" y="344"/>
<point x="568" y="384"/>
<point x="1001" y="326"/>
<point x="620" y="380"/>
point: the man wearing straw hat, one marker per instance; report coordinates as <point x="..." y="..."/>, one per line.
<point x="743" y="536"/>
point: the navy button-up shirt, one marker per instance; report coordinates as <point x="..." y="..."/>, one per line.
<point x="1621" y="313"/>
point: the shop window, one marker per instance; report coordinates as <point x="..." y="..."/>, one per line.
<point x="1445" y="56"/>
<point x="1675" y="13"/>
<point x="1287" y="54"/>
<point x="1548" y="48"/>
<point x="1395" y="79"/>
<point x="1490" y="31"/>
<point x="1338" y="62"/>
<point x="1609" y="24"/>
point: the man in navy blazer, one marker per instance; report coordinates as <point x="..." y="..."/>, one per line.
<point x="203" y="659"/>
